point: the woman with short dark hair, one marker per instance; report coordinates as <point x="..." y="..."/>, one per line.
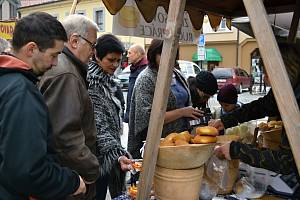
<point x="113" y="158"/>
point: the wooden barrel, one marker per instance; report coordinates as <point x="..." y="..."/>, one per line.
<point x="177" y="184"/>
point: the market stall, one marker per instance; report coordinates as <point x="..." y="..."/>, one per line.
<point x="257" y="11"/>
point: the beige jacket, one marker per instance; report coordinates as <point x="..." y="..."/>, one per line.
<point x="71" y="113"/>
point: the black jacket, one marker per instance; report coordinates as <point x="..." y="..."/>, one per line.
<point x="281" y="160"/>
<point x="135" y="70"/>
<point x="26" y="160"/>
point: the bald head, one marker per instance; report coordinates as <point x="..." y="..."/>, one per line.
<point x="135" y="53"/>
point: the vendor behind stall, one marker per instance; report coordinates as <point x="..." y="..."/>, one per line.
<point x="179" y="109"/>
<point x="280" y="160"/>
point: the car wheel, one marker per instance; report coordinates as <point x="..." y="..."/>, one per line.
<point x="240" y="90"/>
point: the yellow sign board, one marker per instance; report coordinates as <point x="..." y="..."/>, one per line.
<point x="7" y="29"/>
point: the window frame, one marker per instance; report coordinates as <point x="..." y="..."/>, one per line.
<point x="95" y="10"/>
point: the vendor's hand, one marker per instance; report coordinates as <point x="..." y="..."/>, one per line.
<point x="125" y="163"/>
<point x="223" y="151"/>
<point x="191" y="112"/>
<point x="81" y="188"/>
<point x="217" y="123"/>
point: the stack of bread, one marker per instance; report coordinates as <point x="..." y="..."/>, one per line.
<point x="204" y="135"/>
<point x="270" y="125"/>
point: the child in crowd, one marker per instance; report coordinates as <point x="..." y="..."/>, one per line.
<point x="228" y="99"/>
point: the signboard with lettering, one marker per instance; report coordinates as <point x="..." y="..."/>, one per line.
<point x="7" y="29"/>
<point x="129" y="21"/>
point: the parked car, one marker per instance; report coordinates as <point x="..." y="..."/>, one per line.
<point x="123" y="77"/>
<point x="186" y="67"/>
<point x="235" y="76"/>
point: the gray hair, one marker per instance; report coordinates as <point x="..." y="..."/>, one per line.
<point x="4" y="44"/>
<point x="78" y="24"/>
<point x="138" y="48"/>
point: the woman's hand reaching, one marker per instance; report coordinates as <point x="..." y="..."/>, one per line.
<point x="191" y="112"/>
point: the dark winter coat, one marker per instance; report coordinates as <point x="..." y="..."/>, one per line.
<point x="27" y="167"/>
<point x="281" y="160"/>
<point x="135" y="70"/>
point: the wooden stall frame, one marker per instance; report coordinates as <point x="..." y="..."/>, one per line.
<point x="162" y="89"/>
<point x="277" y="74"/>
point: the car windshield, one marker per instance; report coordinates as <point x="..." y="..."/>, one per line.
<point x="222" y="73"/>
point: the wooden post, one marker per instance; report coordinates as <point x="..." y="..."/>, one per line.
<point x="295" y="23"/>
<point x="73" y="8"/>
<point x="277" y="74"/>
<point x="162" y="88"/>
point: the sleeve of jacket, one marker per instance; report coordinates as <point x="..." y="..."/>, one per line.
<point x="63" y="95"/>
<point x="26" y="167"/>
<point x="262" y="107"/>
<point x="109" y="147"/>
<point x="280" y="161"/>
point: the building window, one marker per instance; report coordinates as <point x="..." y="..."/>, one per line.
<point x="99" y="18"/>
<point x="80" y="12"/>
<point x="12" y="11"/>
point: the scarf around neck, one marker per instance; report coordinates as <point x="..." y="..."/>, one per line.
<point x="98" y="78"/>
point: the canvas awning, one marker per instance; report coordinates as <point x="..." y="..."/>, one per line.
<point x="212" y="54"/>
<point x="215" y="9"/>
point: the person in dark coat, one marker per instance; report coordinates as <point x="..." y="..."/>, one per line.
<point x="27" y="167"/>
<point x="281" y="160"/>
<point x="138" y="62"/>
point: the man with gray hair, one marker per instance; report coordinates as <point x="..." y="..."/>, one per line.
<point x="65" y="91"/>
<point x="138" y="62"/>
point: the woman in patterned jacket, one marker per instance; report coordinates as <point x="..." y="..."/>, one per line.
<point x="179" y="108"/>
<point x="113" y="158"/>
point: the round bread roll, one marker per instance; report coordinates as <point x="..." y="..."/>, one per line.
<point x="181" y="142"/>
<point x="171" y="137"/>
<point x="207" y="130"/>
<point x="202" y="139"/>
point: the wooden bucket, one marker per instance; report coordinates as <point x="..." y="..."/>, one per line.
<point x="177" y="184"/>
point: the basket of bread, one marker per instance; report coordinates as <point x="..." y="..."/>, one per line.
<point x="271" y="134"/>
<point x="186" y="151"/>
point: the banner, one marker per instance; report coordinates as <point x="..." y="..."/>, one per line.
<point x="7" y="29"/>
<point x="129" y="21"/>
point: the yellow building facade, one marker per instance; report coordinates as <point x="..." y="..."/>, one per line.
<point x="93" y="9"/>
<point x="234" y="46"/>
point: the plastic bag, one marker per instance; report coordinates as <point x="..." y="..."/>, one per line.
<point x="254" y="184"/>
<point x="212" y="180"/>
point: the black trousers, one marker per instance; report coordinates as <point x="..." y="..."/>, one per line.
<point x="101" y="187"/>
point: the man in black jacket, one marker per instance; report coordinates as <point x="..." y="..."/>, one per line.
<point x="27" y="168"/>
<point x="281" y="160"/>
<point x="138" y="62"/>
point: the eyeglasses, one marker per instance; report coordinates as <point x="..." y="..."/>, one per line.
<point x="89" y="42"/>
